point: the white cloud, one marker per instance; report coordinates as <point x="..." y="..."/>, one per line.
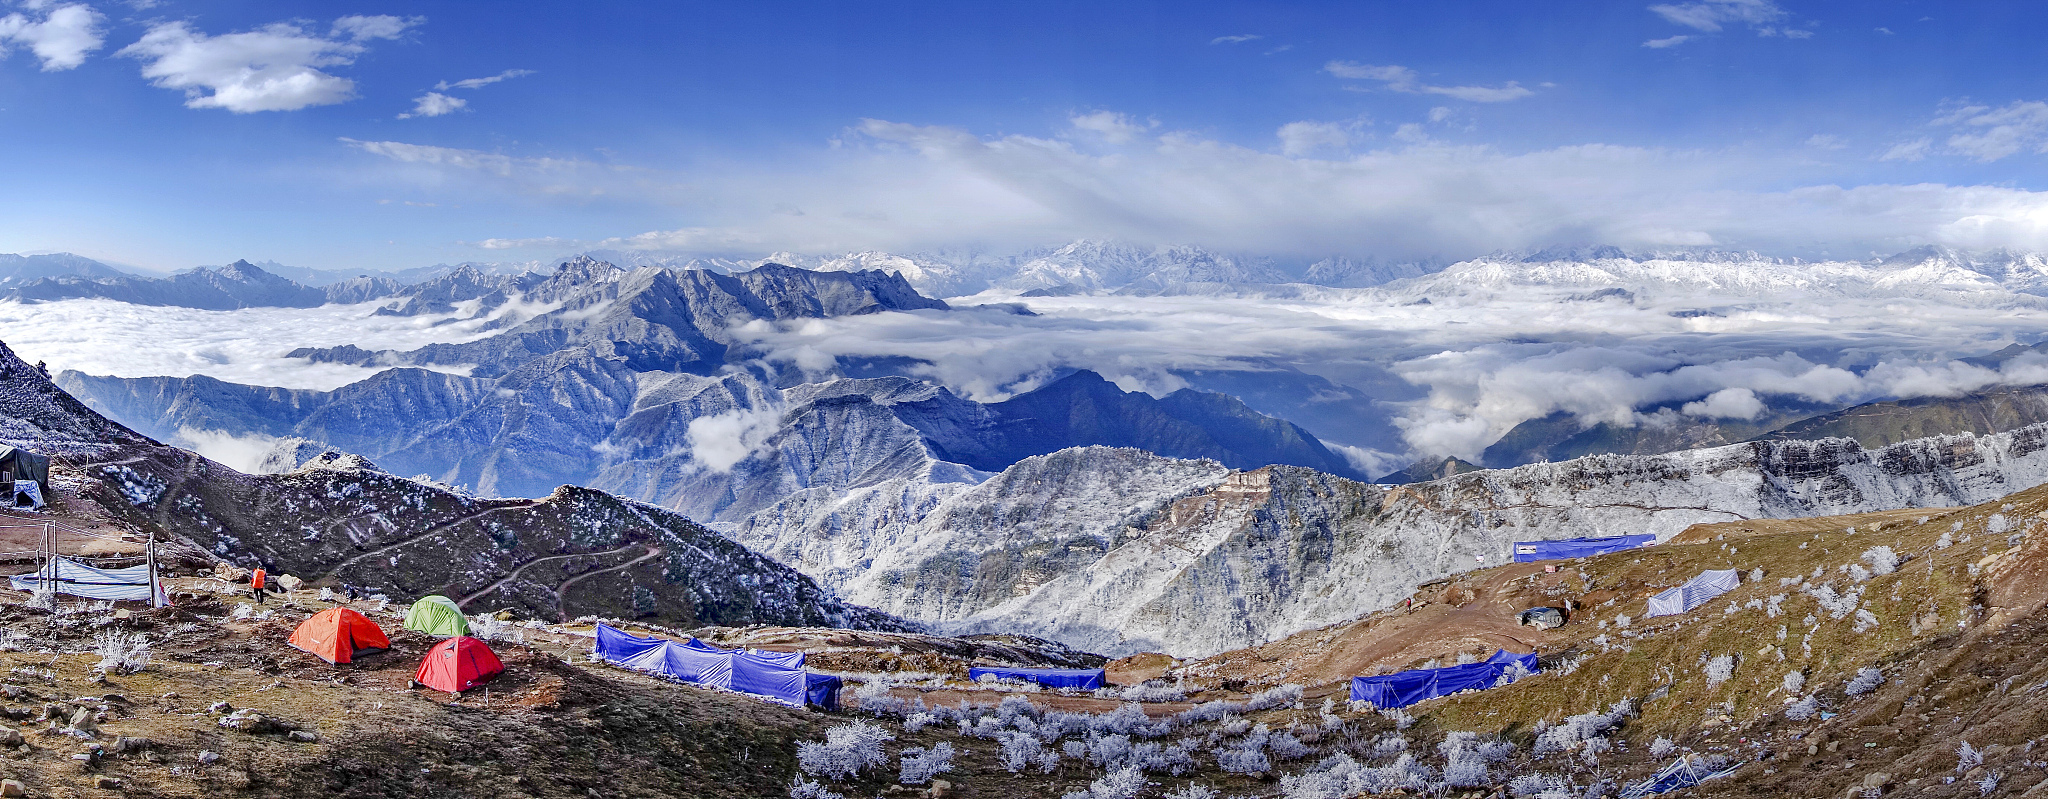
<point x="362" y="28"/>
<point x="478" y="83"/>
<point x="274" y="68"/>
<point x="402" y="152"/>
<point x="1710" y="15"/>
<point x="1242" y="37"/>
<point x="1990" y="134"/>
<point x="433" y="104"/>
<point x="1405" y="80"/>
<point x="721" y="441"/>
<point x="1914" y="150"/>
<point x="1885" y="31"/>
<point x="1304" y="138"/>
<point x="1825" y="141"/>
<point x="1728" y="403"/>
<point x="1114" y="127"/>
<point x="513" y="244"/>
<point x="60" y="39"/>
<point x="1668" y="41"/>
<point x="1439" y="114"/>
<point x="242" y="453"/>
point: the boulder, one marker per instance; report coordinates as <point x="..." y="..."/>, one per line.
<point x="11" y="788"/>
<point x="289" y="582"/>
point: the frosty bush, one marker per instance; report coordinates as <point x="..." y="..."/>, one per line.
<point x="848" y="749"/>
<point x="1568" y="733"/>
<point x="920" y="765"/>
<point x="801" y="789"/>
<point x="1802" y="709"/>
<point x="1756" y="574"/>
<point x="1882" y="560"/>
<point x="918" y="721"/>
<point x="242" y="612"/>
<point x="490" y="628"/>
<point x="1662" y="746"/>
<point x="1195" y="791"/>
<point x="1400" y="717"/>
<point x="1233" y="725"/>
<point x="1125" y="719"/>
<point x="1243" y="761"/>
<point x="1621" y="620"/>
<point x="1857" y="572"/>
<point x="327" y="595"/>
<point x="1390" y="744"/>
<point x="1988" y="784"/>
<point x="1967" y="757"/>
<point x="1020" y="751"/>
<point x="1794" y="682"/>
<point x="1867" y="679"/>
<point x="1286" y="747"/>
<point x="1719" y="669"/>
<point x="1155" y="693"/>
<point x="1464" y="766"/>
<point x="121" y="652"/>
<point x="1274" y="697"/>
<point x="1123" y="783"/>
<point x="1865" y="621"/>
<point x="1947" y="540"/>
<point x="1535" y="784"/>
<point x="1997" y="523"/>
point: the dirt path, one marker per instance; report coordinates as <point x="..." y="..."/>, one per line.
<point x="562" y="591"/>
<point x="514" y="575"/>
<point x="336" y="570"/>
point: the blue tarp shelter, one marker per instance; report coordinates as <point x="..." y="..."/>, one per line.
<point x="77" y="579"/>
<point x="823" y="690"/>
<point x="1532" y="551"/>
<point x="1685" y="772"/>
<point x="1081" y="679"/>
<point x="1694" y="593"/>
<point x="1404" y="688"/>
<point x="774" y="675"/>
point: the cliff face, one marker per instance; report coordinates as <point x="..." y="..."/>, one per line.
<point x="1118" y="550"/>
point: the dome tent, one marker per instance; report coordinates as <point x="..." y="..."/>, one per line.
<point x="458" y="664"/>
<point x="438" y="616"/>
<point x="338" y="635"/>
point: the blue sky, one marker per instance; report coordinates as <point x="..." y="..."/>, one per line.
<point x="1390" y="129"/>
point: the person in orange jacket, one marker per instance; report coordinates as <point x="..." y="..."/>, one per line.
<point x="258" y="580"/>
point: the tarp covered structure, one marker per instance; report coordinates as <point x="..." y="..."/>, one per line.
<point x="340" y="635"/>
<point x="436" y="615"/>
<point x="77" y="579"/>
<point x="1080" y="679"/>
<point x="1694" y="593"/>
<point x="20" y="464"/>
<point x="773" y="675"/>
<point x="458" y="664"/>
<point x="823" y="690"/>
<point x="1404" y="688"/>
<point x="1685" y="772"/>
<point x="1532" y="551"/>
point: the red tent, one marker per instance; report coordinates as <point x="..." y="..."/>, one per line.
<point x="458" y="664"/>
<point x="337" y="635"/>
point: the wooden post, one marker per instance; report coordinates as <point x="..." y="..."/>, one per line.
<point x="151" y="554"/>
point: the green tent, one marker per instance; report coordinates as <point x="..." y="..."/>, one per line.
<point x="437" y="615"/>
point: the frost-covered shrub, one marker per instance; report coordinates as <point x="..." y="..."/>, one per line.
<point x="1967" y="757"/>
<point x="1195" y="791"/>
<point x="1856" y="572"/>
<point x="1988" y="784"/>
<point x="1274" y="697"/>
<point x="1622" y="620"/>
<point x="1464" y="765"/>
<point x="1287" y="747"/>
<point x="1803" y="709"/>
<point x="1719" y="669"/>
<point x="1574" y="729"/>
<point x="1176" y="692"/>
<point x="1125" y="719"/>
<point x="918" y="721"/>
<point x="242" y="612"/>
<point x="490" y="628"/>
<point x="1756" y="574"/>
<point x="799" y="788"/>
<point x="1865" y="620"/>
<point x="1947" y="539"/>
<point x="1866" y="680"/>
<point x="1392" y="743"/>
<point x="1163" y="759"/>
<point x="1997" y="523"/>
<point x="1400" y="717"/>
<point x="121" y="652"/>
<point x="848" y="750"/>
<point x="327" y="595"/>
<point x="1077" y="750"/>
<point x="1882" y="560"/>
<point x="1233" y="726"/>
<point x="1020" y="751"/>
<point x="1243" y="761"/>
<point x="1772" y="605"/>
<point x="1536" y="784"/>
<point x="920" y="765"/>
<point x="1795" y="682"/>
<point x="1109" y="750"/>
<point x="1123" y="783"/>
<point x="1662" y="746"/>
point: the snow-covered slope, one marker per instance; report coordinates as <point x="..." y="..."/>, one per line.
<point x="1118" y="550"/>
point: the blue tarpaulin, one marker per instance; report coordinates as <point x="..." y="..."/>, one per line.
<point x="1694" y="593"/>
<point x="775" y="675"/>
<point x="1083" y="679"/>
<point x="822" y="690"/>
<point x="1531" y="551"/>
<point x="1404" y="688"/>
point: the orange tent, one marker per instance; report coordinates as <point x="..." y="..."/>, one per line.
<point x="458" y="664"/>
<point x="337" y="635"/>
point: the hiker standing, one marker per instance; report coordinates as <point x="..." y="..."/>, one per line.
<point x="352" y="592"/>
<point x="257" y="581"/>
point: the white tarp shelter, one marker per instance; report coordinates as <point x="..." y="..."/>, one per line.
<point x="27" y="494"/>
<point x="1694" y="593"/>
<point x="78" y="579"/>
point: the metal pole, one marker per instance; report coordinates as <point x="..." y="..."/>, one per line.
<point x="50" y="581"/>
